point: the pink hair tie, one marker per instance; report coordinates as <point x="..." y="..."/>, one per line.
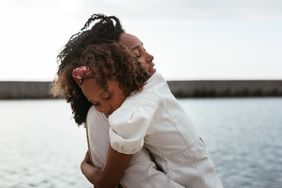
<point x="81" y="73"/>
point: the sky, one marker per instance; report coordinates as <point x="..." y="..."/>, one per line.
<point x="190" y="39"/>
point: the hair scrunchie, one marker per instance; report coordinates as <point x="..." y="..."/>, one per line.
<point x="81" y="73"/>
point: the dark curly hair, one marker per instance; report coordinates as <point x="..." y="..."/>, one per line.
<point x="105" y="29"/>
<point x="108" y="28"/>
<point x="107" y="61"/>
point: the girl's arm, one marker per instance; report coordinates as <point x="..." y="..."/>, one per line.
<point x="111" y="174"/>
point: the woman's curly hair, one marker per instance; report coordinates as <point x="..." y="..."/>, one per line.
<point x="105" y="29"/>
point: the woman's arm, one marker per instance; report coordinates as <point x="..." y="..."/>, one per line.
<point x="110" y="175"/>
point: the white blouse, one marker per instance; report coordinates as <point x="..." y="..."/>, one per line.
<point x="153" y="118"/>
<point x="141" y="171"/>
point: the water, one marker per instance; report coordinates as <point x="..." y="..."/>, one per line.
<point x="42" y="147"/>
<point x="243" y="137"/>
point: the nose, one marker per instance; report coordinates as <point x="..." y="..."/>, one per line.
<point x="149" y="58"/>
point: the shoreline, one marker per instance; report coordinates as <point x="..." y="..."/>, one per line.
<point x="180" y="88"/>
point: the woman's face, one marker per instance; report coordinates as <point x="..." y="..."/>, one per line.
<point x="105" y="101"/>
<point x="111" y="99"/>
<point x="136" y="46"/>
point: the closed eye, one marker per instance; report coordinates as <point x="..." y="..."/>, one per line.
<point x="136" y="53"/>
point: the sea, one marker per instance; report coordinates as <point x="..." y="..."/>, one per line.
<point x="42" y="147"/>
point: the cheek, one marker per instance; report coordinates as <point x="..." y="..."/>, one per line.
<point x="115" y="105"/>
<point x="143" y="64"/>
<point x="86" y="92"/>
<point x="141" y="59"/>
<point x="117" y="101"/>
<point x="104" y="108"/>
<point x="99" y="109"/>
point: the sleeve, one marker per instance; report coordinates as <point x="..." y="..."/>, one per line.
<point x="97" y="127"/>
<point x="129" y="127"/>
<point x="142" y="172"/>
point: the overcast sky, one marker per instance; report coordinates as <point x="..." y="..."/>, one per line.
<point x="190" y="39"/>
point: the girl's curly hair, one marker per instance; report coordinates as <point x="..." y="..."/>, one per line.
<point x="107" y="61"/>
<point x="105" y="29"/>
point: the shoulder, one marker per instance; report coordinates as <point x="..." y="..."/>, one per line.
<point x="94" y="115"/>
<point x="144" y="103"/>
<point x="150" y="93"/>
<point x="133" y="111"/>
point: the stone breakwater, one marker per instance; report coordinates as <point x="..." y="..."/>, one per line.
<point x="226" y="88"/>
<point x="25" y="90"/>
<point x="199" y="88"/>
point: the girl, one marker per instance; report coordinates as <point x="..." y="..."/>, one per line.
<point x="112" y="81"/>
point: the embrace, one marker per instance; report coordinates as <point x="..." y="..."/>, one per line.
<point x="138" y="134"/>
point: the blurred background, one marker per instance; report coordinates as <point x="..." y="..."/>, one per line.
<point x="193" y="41"/>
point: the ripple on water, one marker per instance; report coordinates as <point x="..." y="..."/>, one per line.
<point x="41" y="146"/>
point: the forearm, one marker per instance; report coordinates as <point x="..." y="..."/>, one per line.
<point x="111" y="174"/>
<point x="116" y="164"/>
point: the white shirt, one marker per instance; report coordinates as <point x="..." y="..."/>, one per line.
<point x="153" y="118"/>
<point x="141" y="172"/>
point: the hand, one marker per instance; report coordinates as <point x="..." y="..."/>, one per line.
<point x="89" y="170"/>
<point x="111" y="173"/>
